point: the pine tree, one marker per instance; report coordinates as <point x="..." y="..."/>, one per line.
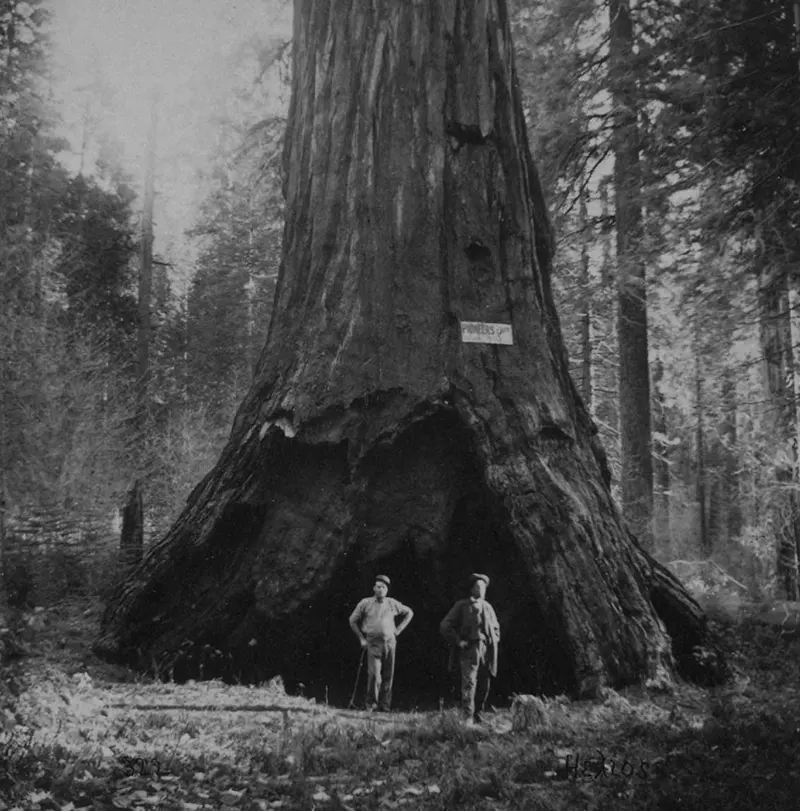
<point x="65" y="302"/>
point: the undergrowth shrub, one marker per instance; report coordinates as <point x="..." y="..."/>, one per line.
<point x="540" y="718"/>
<point x="20" y="584"/>
<point x="260" y="755"/>
<point x="324" y="749"/>
<point x="67" y="574"/>
<point x="764" y="650"/>
<point x="26" y="762"/>
<point x="465" y="786"/>
<point x="723" y="605"/>
<point x="443" y="727"/>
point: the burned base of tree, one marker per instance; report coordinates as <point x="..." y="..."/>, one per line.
<point x="131" y="542"/>
<point x="270" y="589"/>
<point x="374" y="439"/>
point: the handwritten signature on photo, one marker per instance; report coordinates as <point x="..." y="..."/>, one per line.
<point x="601" y="767"/>
<point x="145" y="767"/>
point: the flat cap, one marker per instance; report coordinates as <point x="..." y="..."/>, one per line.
<point x="382" y="578"/>
<point x="475" y="576"/>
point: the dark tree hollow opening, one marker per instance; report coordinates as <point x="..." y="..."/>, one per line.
<point x="427" y="519"/>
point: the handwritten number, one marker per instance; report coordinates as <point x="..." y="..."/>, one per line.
<point x="142" y="766"/>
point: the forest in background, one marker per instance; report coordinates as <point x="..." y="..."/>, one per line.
<point x="668" y="147"/>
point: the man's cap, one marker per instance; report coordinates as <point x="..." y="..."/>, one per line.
<point x="382" y="578"/>
<point x="475" y="576"/>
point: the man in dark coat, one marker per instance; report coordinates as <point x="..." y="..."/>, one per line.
<point x="373" y="622"/>
<point x="473" y="632"/>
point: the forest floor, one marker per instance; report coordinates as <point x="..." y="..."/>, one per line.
<point x="76" y="733"/>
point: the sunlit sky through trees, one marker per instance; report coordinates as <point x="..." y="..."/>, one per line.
<point x="187" y="51"/>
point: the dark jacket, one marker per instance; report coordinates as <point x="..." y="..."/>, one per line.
<point x="455" y="628"/>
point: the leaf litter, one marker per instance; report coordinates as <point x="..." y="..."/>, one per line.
<point x="84" y="740"/>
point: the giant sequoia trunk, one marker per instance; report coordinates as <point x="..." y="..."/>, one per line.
<point x="373" y="439"/>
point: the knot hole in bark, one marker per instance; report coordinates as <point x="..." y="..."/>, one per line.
<point x="465" y="134"/>
<point x="551" y="432"/>
<point x="481" y="270"/>
<point x="476" y="251"/>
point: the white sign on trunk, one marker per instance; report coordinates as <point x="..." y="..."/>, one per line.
<point x="478" y="332"/>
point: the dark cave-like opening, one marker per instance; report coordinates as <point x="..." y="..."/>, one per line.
<point x="318" y="649"/>
<point x="314" y="649"/>
<point x="697" y="657"/>
<point x="532" y="654"/>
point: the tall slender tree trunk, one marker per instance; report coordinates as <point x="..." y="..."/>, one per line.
<point x="731" y="491"/>
<point x="793" y="280"/>
<point x="252" y="349"/>
<point x="585" y="310"/>
<point x="661" y="489"/>
<point x="132" y="534"/>
<point x="720" y="457"/>
<point x="605" y="394"/>
<point x="3" y="470"/>
<point x="6" y="310"/>
<point x="700" y="491"/>
<point x="793" y="307"/>
<point x="634" y="369"/>
<point x="378" y="434"/>
<point x="779" y="422"/>
<point x="146" y="271"/>
<point x="85" y="127"/>
<point x="132" y="537"/>
<point x="700" y="454"/>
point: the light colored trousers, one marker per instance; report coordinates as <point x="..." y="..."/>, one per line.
<point x="380" y="672"/>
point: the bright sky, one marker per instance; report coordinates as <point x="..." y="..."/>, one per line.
<point x="183" y="48"/>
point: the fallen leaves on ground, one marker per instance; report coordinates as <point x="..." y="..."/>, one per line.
<point x="81" y="741"/>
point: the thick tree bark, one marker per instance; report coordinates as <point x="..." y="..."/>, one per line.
<point x="779" y="423"/>
<point x="731" y="491"/>
<point x="605" y="391"/>
<point x="793" y="302"/>
<point x="585" y="311"/>
<point x="634" y="372"/>
<point x="700" y="451"/>
<point x="373" y="439"/>
<point x="131" y="542"/>
<point x="146" y="273"/>
<point x="3" y="503"/>
<point x="661" y="482"/>
<point x="721" y="466"/>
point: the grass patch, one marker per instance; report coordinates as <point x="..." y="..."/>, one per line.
<point x="736" y="746"/>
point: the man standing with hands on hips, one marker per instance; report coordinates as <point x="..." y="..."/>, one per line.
<point x="373" y="622"/>
<point x="473" y="632"/>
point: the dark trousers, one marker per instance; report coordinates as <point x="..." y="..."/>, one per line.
<point x="380" y="672"/>
<point x="476" y="679"/>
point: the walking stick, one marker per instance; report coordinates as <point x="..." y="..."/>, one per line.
<point x="358" y="676"/>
